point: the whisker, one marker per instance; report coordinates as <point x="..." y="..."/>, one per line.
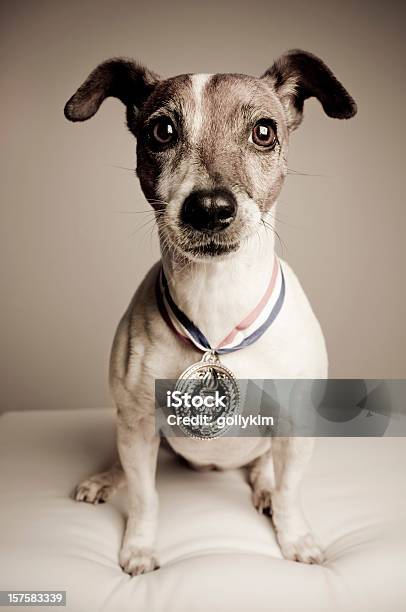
<point x="277" y="218"/>
<point x="293" y="172"/>
<point x="269" y="226"/>
<point x="156" y="201"/>
<point x="121" y="167"/>
<point x="135" y="212"/>
<point x="140" y="227"/>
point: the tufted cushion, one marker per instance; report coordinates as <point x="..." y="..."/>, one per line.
<point x="217" y="553"/>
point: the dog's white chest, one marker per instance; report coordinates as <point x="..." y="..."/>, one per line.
<point x="223" y="453"/>
<point x="293" y="347"/>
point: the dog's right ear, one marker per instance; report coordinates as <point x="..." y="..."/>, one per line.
<point x="119" y="78"/>
<point x="299" y="75"/>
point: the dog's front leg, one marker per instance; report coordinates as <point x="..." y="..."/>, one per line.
<point x="290" y="459"/>
<point x="138" y="449"/>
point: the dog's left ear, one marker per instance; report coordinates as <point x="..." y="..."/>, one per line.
<point x="298" y="75"/>
<point x="120" y="78"/>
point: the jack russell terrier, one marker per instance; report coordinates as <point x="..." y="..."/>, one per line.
<point x="211" y="159"/>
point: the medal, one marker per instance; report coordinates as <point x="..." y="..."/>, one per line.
<point x="212" y="385"/>
<point x="208" y="378"/>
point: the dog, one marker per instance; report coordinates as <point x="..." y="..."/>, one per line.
<point x="211" y="160"/>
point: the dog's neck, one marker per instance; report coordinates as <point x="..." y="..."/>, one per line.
<point x="216" y="295"/>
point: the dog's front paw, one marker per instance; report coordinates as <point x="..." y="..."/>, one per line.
<point x="93" y="491"/>
<point x="135" y="560"/>
<point x="303" y="549"/>
<point x="261" y="498"/>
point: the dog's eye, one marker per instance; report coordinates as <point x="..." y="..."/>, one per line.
<point x="162" y="132"/>
<point x="263" y="134"/>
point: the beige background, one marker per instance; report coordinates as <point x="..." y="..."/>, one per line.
<point x="71" y="258"/>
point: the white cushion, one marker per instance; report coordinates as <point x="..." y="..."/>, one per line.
<point x="216" y="552"/>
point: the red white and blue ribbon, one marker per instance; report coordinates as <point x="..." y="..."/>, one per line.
<point x="245" y="333"/>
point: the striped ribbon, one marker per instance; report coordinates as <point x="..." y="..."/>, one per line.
<point x="245" y="333"/>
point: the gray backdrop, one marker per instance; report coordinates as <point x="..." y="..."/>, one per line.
<point x="71" y="258"/>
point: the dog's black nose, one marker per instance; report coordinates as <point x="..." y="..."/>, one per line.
<point x="209" y="211"/>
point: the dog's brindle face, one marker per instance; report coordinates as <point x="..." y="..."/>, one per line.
<point x="211" y="149"/>
<point x="213" y="122"/>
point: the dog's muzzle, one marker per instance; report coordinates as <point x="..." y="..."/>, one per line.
<point x="209" y="211"/>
